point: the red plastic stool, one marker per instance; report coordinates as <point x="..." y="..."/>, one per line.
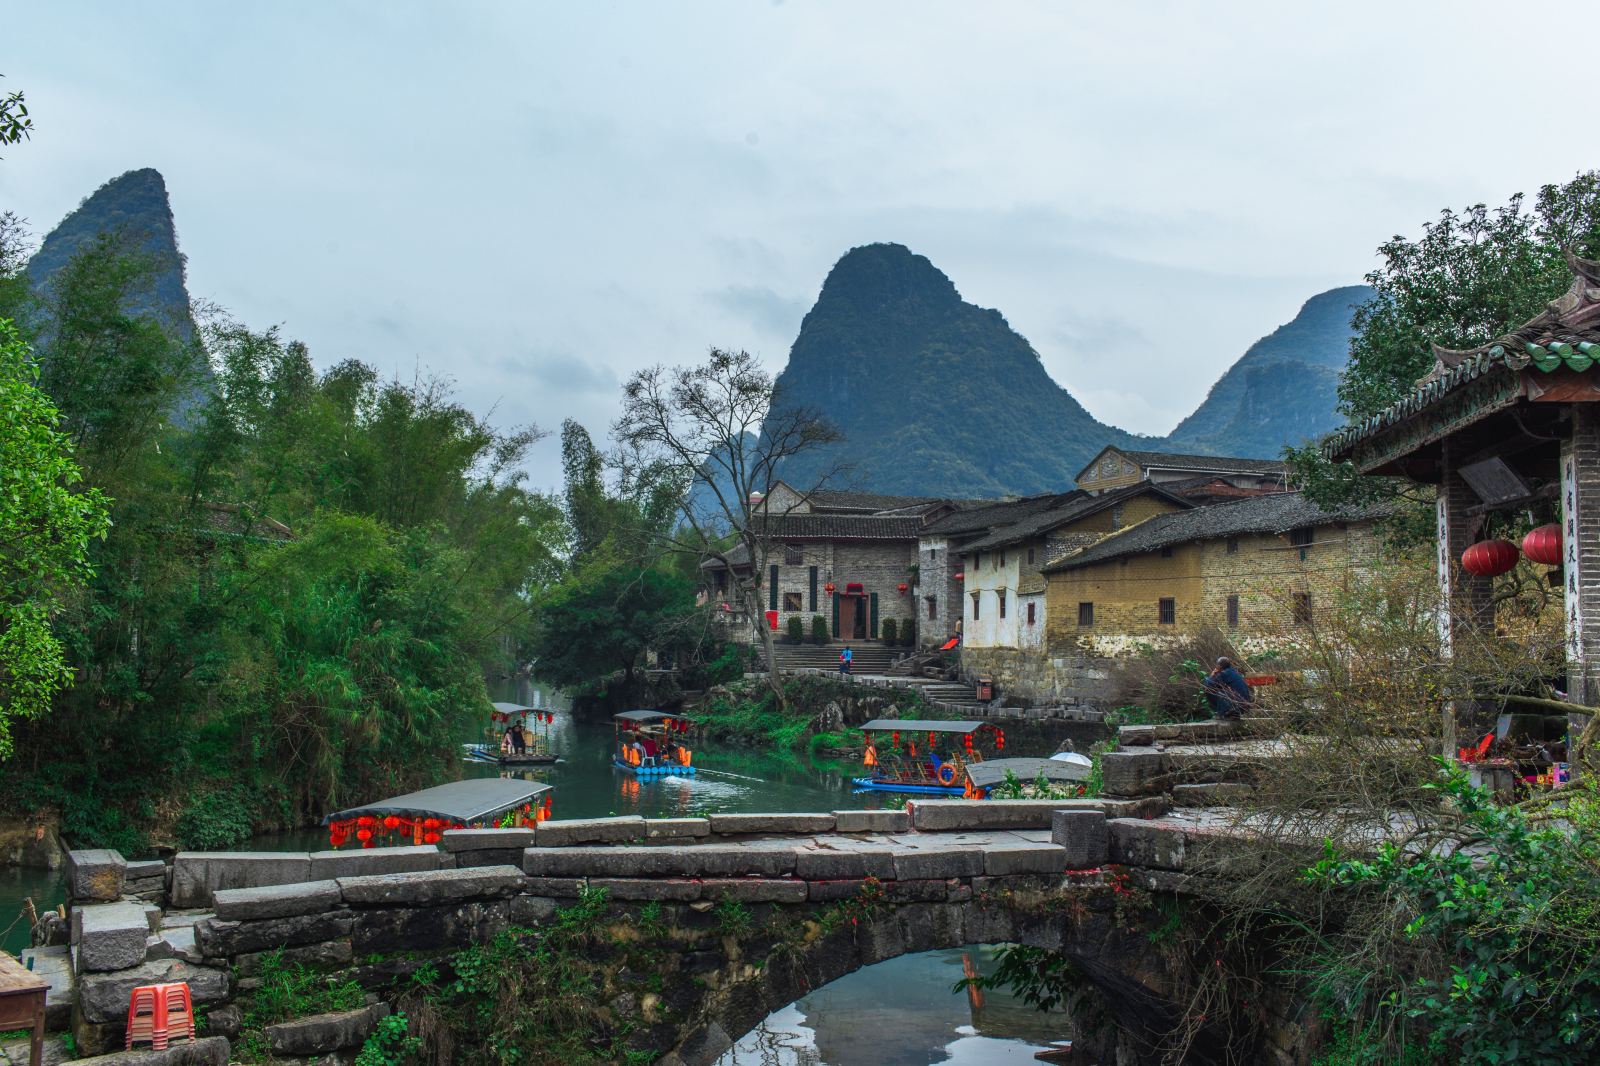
<point x="159" y="1013"/>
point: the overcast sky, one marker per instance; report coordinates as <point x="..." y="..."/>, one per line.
<point x="536" y="199"/>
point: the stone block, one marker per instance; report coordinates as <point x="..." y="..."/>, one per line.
<point x="920" y="891"/>
<point x="531" y="910"/>
<point x="110" y="936"/>
<point x="647" y="888"/>
<point x="482" y="839"/>
<point x="322" y="1034"/>
<point x="145" y="869"/>
<point x="217" y="938"/>
<point x="225" y="1021"/>
<point x="432" y="887"/>
<point x="95" y="874"/>
<point x="1140" y="843"/>
<point x="367" y="862"/>
<point x="1210" y="794"/>
<point x="414" y="928"/>
<point x="937" y="862"/>
<point x="955" y="815"/>
<point x="1007" y="859"/>
<point x="277" y="901"/>
<point x="1136" y="736"/>
<point x="1083" y="836"/>
<point x="801" y="824"/>
<point x="464" y="860"/>
<point x="103" y="997"/>
<point x="1133" y="773"/>
<point x="558" y="887"/>
<point x="656" y="828"/>
<point x="561" y="833"/>
<point x="53" y="964"/>
<point x="831" y="891"/>
<point x="871" y="822"/>
<point x="173" y="944"/>
<point x="197" y="875"/>
<point x="207" y="1051"/>
<point x="831" y="865"/>
<point x="753" y="890"/>
<point x="708" y="860"/>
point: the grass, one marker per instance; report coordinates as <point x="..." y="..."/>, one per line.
<point x="290" y="990"/>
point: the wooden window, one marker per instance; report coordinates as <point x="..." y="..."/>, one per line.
<point x="1167" y="611"/>
<point x="772" y="587"/>
<point x="1233" y="545"/>
<point x="1030" y="556"/>
<point x="1002" y="564"/>
<point x="975" y="608"/>
<point x="794" y="555"/>
<point x="1086" y="614"/>
<point x="977" y="560"/>
<point x="793" y="601"/>
<point x="1301" y="538"/>
<point x="1001" y="596"/>
<point x="933" y="607"/>
<point x="1302" y="608"/>
<point x="1233" y="612"/>
<point x="811" y="589"/>
<point x="1031" y="606"/>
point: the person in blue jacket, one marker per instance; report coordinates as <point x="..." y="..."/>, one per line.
<point x="1227" y="691"/>
<point x="845" y="659"/>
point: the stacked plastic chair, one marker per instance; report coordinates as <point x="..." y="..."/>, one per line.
<point x="158" y="1014"/>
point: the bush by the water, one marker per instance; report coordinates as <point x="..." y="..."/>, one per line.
<point x="1165" y="680"/>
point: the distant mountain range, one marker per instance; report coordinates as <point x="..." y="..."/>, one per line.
<point x="935" y="395"/>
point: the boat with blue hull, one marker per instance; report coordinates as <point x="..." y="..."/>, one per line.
<point x="653" y="744"/>
<point x="925" y="757"/>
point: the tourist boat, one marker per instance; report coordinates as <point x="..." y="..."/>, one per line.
<point x="663" y="739"/>
<point x="422" y="817"/>
<point x="1064" y="771"/>
<point x="925" y="757"/>
<point x="501" y="749"/>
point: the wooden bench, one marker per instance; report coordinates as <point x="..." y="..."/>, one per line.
<point x="22" y="995"/>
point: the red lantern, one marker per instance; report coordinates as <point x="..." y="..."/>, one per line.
<point x="366" y="820"/>
<point x="430" y="823"/>
<point x="368" y="844"/>
<point x="902" y="587"/>
<point x="961" y="577"/>
<point x="391" y="822"/>
<point x="1489" y="558"/>
<point x="1543" y="545"/>
<point x="828" y="588"/>
<point x="930" y="738"/>
<point x="897" y="738"/>
<point x="430" y="838"/>
<point x="363" y="834"/>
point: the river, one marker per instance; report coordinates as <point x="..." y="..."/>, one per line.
<point x="931" y="1023"/>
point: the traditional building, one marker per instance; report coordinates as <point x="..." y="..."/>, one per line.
<point x="1202" y="478"/>
<point x="1507" y="428"/>
<point x="1257" y="569"/>
<point x="848" y="557"/>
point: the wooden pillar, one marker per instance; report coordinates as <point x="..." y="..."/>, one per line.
<point x="1580" y="535"/>
<point x="1464" y="598"/>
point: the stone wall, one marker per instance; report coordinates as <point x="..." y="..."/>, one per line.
<point x="937" y="567"/>
<point x="878" y="566"/>
<point x="1072" y="680"/>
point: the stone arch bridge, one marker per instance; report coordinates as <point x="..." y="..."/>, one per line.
<point x="761" y="909"/>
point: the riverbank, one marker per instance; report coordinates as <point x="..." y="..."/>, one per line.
<point x="823" y="715"/>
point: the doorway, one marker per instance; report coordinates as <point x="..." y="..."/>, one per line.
<point x="852" y="617"/>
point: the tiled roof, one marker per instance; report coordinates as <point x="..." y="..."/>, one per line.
<point x="838" y="526"/>
<point x="1038" y="524"/>
<point x="833" y="499"/>
<point x="1564" y="336"/>
<point x="980" y="516"/>
<point x="1277" y="513"/>
<point x="1224" y="463"/>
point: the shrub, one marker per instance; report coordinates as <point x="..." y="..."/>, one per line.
<point x="908" y="634"/>
<point x="1166" y="680"/>
<point x="890" y="632"/>
<point x="215" y="821"/>
<point x="819" y="629"/>
<point x="797" y="629"/>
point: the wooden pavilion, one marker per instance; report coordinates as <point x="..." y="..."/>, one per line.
<point x="1504" y="427"/>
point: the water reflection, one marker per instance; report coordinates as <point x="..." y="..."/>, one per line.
<point x="902" y="1013"/>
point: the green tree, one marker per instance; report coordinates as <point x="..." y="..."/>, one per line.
<point x="47" y="521"/>
<point x="604" y="618"/>
<point x="15" y="123"/>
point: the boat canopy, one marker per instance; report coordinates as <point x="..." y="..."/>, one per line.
<point x="992" y="772"/>
<point x="918" y="725"/>
<point x="511" y="708"/>
<point x="459" y="801"/>
<point x="646" y="716"/>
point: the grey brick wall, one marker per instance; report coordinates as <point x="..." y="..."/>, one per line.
<point x="878" y="566"/>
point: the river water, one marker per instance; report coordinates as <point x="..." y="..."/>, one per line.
<point x="898" y="1013"/>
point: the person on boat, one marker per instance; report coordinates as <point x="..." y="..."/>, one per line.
<point x="519" y="744"/>
<point x="1227" y="691"/>
<point x="846" y="657"/>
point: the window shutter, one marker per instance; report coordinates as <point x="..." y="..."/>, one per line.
<point x="813" y="590"/>
<point x="872" y="618"/>
<point x="836" y="600"/>
<point x="772" y="587"/>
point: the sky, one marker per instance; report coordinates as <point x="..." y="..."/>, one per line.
<point x="537" y="199"/>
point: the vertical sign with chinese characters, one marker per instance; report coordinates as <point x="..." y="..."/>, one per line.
<point x="1442" y="511"/>
<point x="1572" y="579"/>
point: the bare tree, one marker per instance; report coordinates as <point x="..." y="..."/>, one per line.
<point x="722" y="428"/>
